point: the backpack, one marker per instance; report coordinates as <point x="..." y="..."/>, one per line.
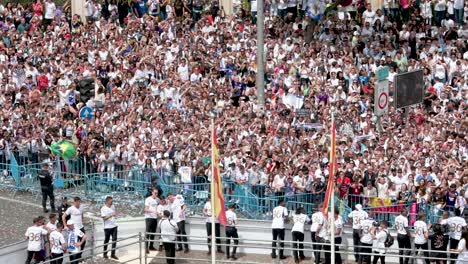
<point x="389" y="240"/>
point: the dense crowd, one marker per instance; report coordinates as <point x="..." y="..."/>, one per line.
<point x="161" y="69"/>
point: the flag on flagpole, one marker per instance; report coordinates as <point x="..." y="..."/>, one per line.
<point x="217" y="199"/>
<point x="331" y="168"/>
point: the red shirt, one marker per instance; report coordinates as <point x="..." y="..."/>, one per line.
<point x="345" y="182"/>
<point x="42" y="82"/>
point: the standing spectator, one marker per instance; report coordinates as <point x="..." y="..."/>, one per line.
<point x="231" y="232"/>
<point x="168" y="236"/>
<point x="317" y="222"/>
<point x="35" y="237"/>
<point x="421" y="235"/>
<point x="75" y="242"/>
<point x="178" y="208"/>
<point x="47" y="187"/>
<point x="76" y="217"/>
<point x="299" y="219"/>
<point x="358" y="216"/>
<point x="462" y="249"/>
<point x="151" y="219"/>
<point x="456" y="225"/>
<point x="280" y="214"/>
<point x="108" y="214"/>
<point x="207" y="212"/>
<point x="58" y="246"/>
<point x="49" y="15"/>
<point x="403" y="236"/>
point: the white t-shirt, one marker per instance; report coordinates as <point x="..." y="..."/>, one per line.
<point x="420" y="228"/>
<point x="366" y="227"/>
<point x="317" y="219"/>
<point x="152" y="204"/>
<point x="463" y="256"/>
<point x="324" y="232"/>
<point x="231" y="218"/>
<point x="76" y="215"/>
<point x="34" y="234"/>
<point x="358" y="217"/>
<point x="279" y="213"/>
<point x="401" y="223"/>
<point x="177" y="213"/>
<point x="208" y="212"/>
<point x="72" y="238"/>
<point x="299" y="221"/>
<point x="51" y="226"/>
<point x="57" y="240"/>
<point x="456" y="225"/>
<point x="168" y="230"/>
<point x="379" y="242"/>
<point x="338" y="225"/>
<point x="106" y="212"/>
<point x="49" y="10"/>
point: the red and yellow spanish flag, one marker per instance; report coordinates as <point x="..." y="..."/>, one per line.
<point x="331" y="168"/>
<point x="217" y="199"/>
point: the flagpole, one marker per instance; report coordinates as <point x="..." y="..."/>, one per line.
<point x="213" y="230"/>
<point x="332" y="222"/>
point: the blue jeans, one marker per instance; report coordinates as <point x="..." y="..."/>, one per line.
<point x="459" y="15"/>
<point x="439" y="15"/>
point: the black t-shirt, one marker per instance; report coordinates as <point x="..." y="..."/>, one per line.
<point x="438" y="242"/>
<point x="45" y="178"/>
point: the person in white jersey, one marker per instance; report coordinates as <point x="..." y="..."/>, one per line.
<point x="456" y="225"/>
<point x="178" y="209"/>
<point x="52" y="225"/>
<point x="357" y="215"/>
<point x="75" y="240"/>
<point x="338" y="234"/>
<point x="34" y="235"/>
<point x="76" y="215"/>
<point x="168" y="229"/>
<point x="323" y="236"/>
<point x="108" y="214"/>
<point x="162" y="206"/>
<point x="366" y="240"/>
<point x="318" y="221"/>
<point x="280" y="213"/>
<point x="300" y="220"/>
<point x="403" y="236"/>
<point x="151" y="219"/>
<point x="421" y="235"/>
<point x="231" y="232"/>
<point x="207" y="213"/>
<point x="57" y="245"/>
<point x="379" y="235"/>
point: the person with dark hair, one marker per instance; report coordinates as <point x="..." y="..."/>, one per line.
<point x="357" y="215"/>
<point x="439" y="243"/>
<point x="318" y="219"/>
<point x="403" y="235"/>
<point x="379" y="235"/>
<point x="76" y="216"/>
<point x="62" y="209"/>
<point x="299" y="219"/>
<point x="208" y="213"/>
<point x="231" y="232"/>
<point x="151" y="219"/>
<point x="108" y="214"/>
<point x="34" y="235"/>
<point x="47" y="187"/>
<point x="280" y="213"/>
<point x="456" y="225"/>
<point x="338" y="233"/>
<point x="462" y="249"/>
<point x="366" y="240"/>
<point x="168" y="229"/>
<point x="421" y="235"/>
<point x="57" y="245"/>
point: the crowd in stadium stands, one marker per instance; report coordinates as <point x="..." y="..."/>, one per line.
<point x="155" y="72"/>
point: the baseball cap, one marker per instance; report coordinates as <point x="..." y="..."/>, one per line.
<point x="70" y="222"/>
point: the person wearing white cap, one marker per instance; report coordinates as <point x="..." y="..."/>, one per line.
<point x="357" y="215"/>
<point x="75" y="239"/>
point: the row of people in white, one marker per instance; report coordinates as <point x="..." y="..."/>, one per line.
<point x="154" y="210"/>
